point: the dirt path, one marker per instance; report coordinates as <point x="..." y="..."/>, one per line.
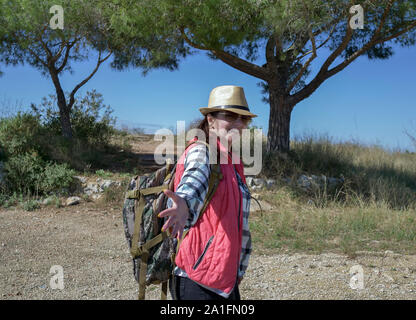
<point x="88" y="242"/>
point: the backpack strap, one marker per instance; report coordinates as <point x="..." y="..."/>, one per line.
<point x="143" y="250"/>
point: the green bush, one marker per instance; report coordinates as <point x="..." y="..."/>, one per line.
<point x="57" y="178"/>
<point x="28" y="174"/>
<point x="31" y="205"/>
<point x="91" y="120"/>
<point x="24" y="173"/>
<point x="20" y="134"/>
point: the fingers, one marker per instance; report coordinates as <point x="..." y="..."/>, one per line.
<point x="167" y="212"/>
<point x="175" y="225"/>
<point x="171" y="195"/>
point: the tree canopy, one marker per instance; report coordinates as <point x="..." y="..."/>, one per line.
<point x="285" y="35"/>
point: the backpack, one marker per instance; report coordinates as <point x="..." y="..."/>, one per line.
<point x="153" y="251"/>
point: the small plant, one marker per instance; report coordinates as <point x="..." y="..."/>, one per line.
<point x="103" y="174"/>
<point x="31" y="205"/>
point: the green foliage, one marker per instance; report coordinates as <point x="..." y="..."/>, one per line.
<point x="28" y="174"/>
<point x="57" y="178"/>
<point x="23" y="23"/>
<point x="20" y="134"/>
<point x="31" y="205"/>
<point x="24" y="172"/>
<point x="90" y="118"/>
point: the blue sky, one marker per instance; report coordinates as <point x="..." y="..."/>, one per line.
<point x="372" y="102"/>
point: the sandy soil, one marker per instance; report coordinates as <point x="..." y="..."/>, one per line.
<point x="87" y="240"/>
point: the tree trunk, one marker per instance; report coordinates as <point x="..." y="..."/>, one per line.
<point x="64" y="109"/>
<point x="278" y="136"/>
<point x="65" y="122"/>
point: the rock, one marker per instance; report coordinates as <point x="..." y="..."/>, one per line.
<point x="83" y="180"/>
<point x="304" y="182"/>
<point x="259" y="182"/>
<point x="314" y="182"/>
<point x="249" y="181"/>
<point x="96" y="196"/>
<point x="47" y="201"/>
<point x="254" y="206"/>
<point x="270" y="183"/>
<point x="92" y="188"/>
<point x="72" y="201"/>
<point x="388" y="253"/>
<point x="106" y="184"/>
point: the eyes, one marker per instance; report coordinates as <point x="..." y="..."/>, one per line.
<point x="231" y="117"/>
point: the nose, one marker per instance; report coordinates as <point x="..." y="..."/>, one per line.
<point x="239" y="123"/>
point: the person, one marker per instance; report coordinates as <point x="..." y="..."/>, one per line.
<point x="214" y="254"/>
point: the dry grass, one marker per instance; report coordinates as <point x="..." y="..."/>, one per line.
<point x="335" y="227"/>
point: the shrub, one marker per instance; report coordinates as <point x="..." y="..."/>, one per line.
<point x="20" y="134"/>
<point x="28" y="174"/>
<point x="90" y="119"/>
<point x="23" y="173"/>
<point x="57" y="178"/>
<point x="31" y="205"/>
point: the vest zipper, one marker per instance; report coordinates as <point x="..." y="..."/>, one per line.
<point x="203" y="253"/>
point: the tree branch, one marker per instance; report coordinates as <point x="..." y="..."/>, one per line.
<point x="306" y="65"/>
<point x="356" y="54"/>
<point x="37" y="57"/>
<point x="231" y="60"/>
<point x="68" y="49"/>
<point x="318" y="47"/>
<point x="324" y="74"/>
<point x="398" y="34"/>
<point x="72" y="95"/>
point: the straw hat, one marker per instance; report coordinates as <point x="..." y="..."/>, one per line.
<point x="227" y="98"/>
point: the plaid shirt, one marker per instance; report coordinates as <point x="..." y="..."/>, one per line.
<point x="193" y="187"/>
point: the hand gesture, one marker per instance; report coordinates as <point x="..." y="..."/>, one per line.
<point x="178" y="215"/>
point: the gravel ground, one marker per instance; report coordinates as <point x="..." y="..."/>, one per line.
<point x="88" y="242"/>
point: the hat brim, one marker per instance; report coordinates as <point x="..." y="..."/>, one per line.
<point x="207" y="110"/>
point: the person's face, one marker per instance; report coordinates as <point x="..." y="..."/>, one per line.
<point x="223" y="122"/>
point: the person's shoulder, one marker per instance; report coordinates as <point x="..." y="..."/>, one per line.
<point x="198" y="152"/>
<point x="198" y="148"/>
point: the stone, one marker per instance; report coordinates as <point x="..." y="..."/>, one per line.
<point x="254" y="206"/>
<point x="83" y="180"/>
<point x="96" y="196"/>
<point x="72" y="201"/>
<point x="47" y="201"/>
<point x="249" y="181"/>
<point x="304" y="182"/>
<point x="107" y="183"/>
<point x="259" y="182"/>
<point x="270" y="183"/>
<point x="92" y="188"/>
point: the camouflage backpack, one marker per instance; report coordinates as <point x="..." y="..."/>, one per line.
<point x="152" y="250"/>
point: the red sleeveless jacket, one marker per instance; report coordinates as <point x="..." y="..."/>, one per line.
<point x="210" y="252"/>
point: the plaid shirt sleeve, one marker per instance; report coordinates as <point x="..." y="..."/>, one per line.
<point x="193" y="185"/>
<point x="246" y="241"/>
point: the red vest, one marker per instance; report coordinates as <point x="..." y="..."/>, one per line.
<point x="210" y="252"/>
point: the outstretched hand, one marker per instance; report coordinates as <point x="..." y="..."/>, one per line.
<point x="178" y="215"/>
